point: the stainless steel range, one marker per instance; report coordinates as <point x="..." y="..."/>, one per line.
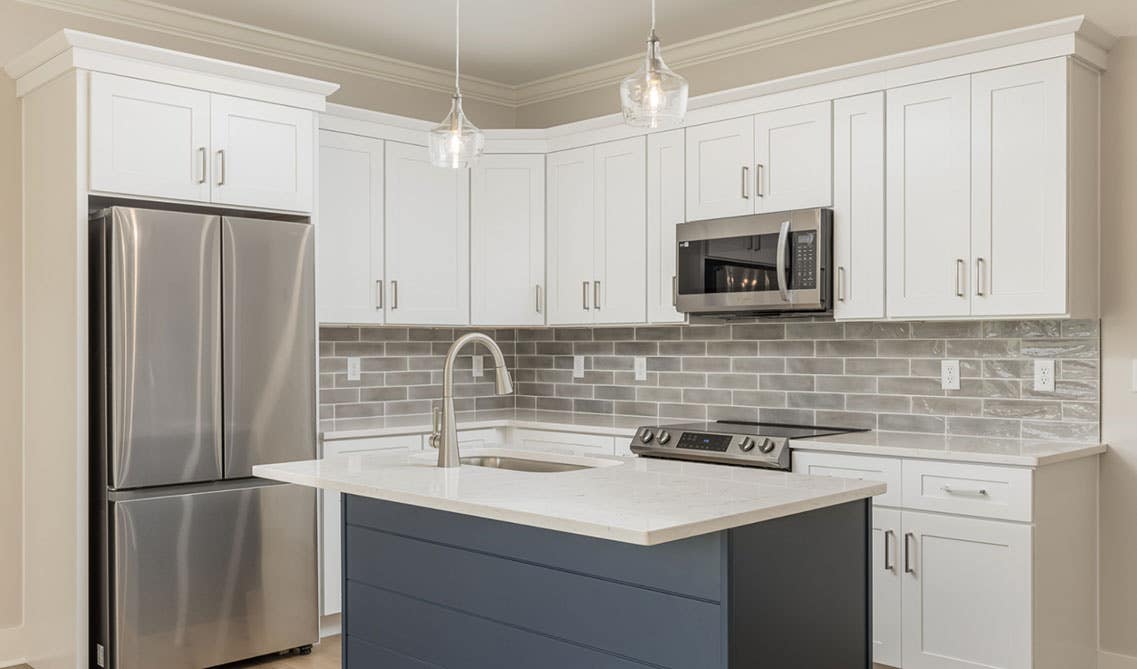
<point x="751" y="444"/>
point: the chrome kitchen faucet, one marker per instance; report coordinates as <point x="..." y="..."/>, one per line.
<point x="444" y="435"/>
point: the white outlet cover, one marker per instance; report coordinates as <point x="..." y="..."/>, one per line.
<point x="641" y="368"/>
<point x="949" y="374"/>
<point x="353" y="369"/>
<point x="1044" y="376"/>
<point x="479" y="366"/>
<point x="578" y="367"/>
<point x="1134" y="388"/>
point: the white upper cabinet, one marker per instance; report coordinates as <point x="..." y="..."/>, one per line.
<point x="507" y="240"/>
<point x="1018" y="190"/>
<point x="929" y="198"/>
<point x="350" y="230"/>
<point x="665" y="210"/>
<point x="149" y="139"/>
<point x="619" y="285"/>
<point x="793" y="158"/>
<point x="428" y="239"/>
<point x="262" y="154"/>
<point x="571" y="243"/>
<point x="858" y="207"/>
<point x="720" y="169"/>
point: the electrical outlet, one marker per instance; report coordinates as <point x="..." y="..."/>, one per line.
<point x="353" y="369"/>
<point x="1044" y="376"/>
<point x="578" y="367"/>
<point x="479" y="366"/>
<point x="641" y="368"/>
<point x="949" y="374"/>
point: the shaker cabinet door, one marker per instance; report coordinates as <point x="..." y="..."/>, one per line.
<point x="929" y="199"/>
<point x="619" y="285"/>
<point x="665" y="210"/>
<point x="720" y="169"/>
<point x="149" y="139"/>
<point x="886" y="583"/>
<point x="571" y="254"/>
<point x="793" y="158"/>
<point x="262" y="154"/>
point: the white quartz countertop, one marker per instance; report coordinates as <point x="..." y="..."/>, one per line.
<point x="633" y="500"/>
<point x="1022" y="452"/>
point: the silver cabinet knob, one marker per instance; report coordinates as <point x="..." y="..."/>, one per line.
<point x="664" y="437"/>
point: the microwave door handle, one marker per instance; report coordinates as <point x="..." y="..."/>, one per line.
<point x="783" y="237"/>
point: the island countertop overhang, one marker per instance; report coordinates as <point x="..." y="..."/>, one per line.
<point x="628" y="499"/>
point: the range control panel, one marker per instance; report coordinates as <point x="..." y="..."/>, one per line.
<point x="752" y="450"/>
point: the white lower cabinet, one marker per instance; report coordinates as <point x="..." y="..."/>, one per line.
<point x="887" y="580"/>
<point x="571" y="443"/>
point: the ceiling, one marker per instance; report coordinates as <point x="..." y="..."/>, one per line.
<point x="512" y="42"/>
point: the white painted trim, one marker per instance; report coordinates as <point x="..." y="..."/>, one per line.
<point x="4" y="664"/>
<point x="330" y="625"/>
<point x="1108" y="660"/>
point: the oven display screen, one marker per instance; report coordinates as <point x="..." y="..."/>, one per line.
<point x="704" y="442"/>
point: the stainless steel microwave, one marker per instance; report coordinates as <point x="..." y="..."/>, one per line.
<point x="762" y="264"/>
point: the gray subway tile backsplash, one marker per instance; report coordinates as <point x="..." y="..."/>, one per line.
<point x="882" y="375"/>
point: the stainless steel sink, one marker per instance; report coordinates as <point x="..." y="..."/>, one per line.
<point x="521" y="464"/>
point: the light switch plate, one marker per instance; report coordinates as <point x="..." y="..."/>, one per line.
<point x="1044" y="376"/>
<point x="578" y="367"/>
<point x="949" y="374"/>
<point x="353" y="369"/>
<point x="479" y="366"/>
<point x="641" y="368"/>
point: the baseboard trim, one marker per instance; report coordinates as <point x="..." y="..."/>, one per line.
<point x="330" y="625"/>
<point x="20" y="663"/>
<point x="1108" y="660"/>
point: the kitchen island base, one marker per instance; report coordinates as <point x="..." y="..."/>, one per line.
<point x="428" y="588"/>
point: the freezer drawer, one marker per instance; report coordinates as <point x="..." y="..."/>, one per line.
<point x="219" y="574"/>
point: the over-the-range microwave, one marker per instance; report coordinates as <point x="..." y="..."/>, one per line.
<point x="764" y="264"/>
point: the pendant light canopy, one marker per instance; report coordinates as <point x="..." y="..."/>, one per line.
<point x="653" y="96"/>
<point x="456" y="143"/>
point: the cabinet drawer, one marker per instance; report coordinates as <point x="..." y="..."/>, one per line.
<point x="973" y="490"/>
<point x="410" y="442"/>
<point x="563" y="442"/>
<point x="861" y="467"/>
<point x="482" y="438"/>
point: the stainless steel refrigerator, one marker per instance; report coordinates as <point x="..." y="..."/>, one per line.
<point x="202" y="365"/>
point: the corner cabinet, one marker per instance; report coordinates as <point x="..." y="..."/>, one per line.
<point x="665" y="209"/>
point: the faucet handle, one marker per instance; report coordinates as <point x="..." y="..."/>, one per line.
<point x="436" y="428"/>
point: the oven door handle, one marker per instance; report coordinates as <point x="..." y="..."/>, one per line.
<point x="783" y="237"/>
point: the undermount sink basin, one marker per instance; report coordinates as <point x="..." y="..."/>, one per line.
<point x="521" y="464"/>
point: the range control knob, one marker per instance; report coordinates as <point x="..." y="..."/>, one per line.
<point x="646" y="435"/>
<point x="767" y="445"/>
<point x="747" y="444"/>
<point x="664" y="437"/>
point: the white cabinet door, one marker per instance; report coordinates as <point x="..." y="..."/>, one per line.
<point x="665" y="210"/>
<point x="148" y="139"/>
<point x="619" y="283"/>
<point x="349" y="271"/>
<point x="571" y="235"/>
<point x="858" y="207"/>
<point x="262" y="154"/>
<point x="793" y="158"/>
<point x="331" y="601"/>
<point x="967" y="593"/>
<point x="507" y="240"/>
<point x="929" y="198"/>
<point x="720" y="169"/>
<point x="1018" y="196"/>
<point x="886" y="586"/>
<point x="428" y="239"/>
<point x="562" y="442"/>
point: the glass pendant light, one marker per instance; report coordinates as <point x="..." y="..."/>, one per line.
<point x="456" y="143"/>
<point x="653" y="96"/>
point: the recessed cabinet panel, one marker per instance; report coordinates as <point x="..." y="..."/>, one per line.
<point x="149" y="139"/>
<point x="720" y="169"/>
<point x="886" y="582"/>
<point x="665" y="210"/>
<point x="620" y="283"/>
<point x="1019" y="190"/>
<point x="858" y="207"/>
<point x="571" y="251"/>
<point x="507" y="240"/>
<point x="350" y="230"/>
<point x="428" y="240"/>
<point x="262" y="154"/>
<point x="928" y="201"/>
<point x="793" y="158"/>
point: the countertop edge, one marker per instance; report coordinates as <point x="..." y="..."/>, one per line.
<point x="818" y="446"/>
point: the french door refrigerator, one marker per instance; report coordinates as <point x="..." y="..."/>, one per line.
<point x="203" y="365"/>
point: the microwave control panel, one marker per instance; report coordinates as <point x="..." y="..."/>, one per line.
<point x="804" y="260"/>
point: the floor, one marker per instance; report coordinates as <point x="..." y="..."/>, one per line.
<point x="325" y="655"/>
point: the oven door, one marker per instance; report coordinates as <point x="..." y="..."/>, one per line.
<point x="764" y="263"/>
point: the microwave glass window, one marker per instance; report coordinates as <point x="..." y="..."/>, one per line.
<point x="746" y="264"/>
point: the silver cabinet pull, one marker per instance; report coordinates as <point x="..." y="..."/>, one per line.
<point x="379" y="294"/>
<point x="840" y="284"/>
<point x="538" y="298"/>
<point x="596" y="295"/>
<point x="745" y="182"/>
<point x="674" y="290"/>
<point x="960" y="272"/>
<point x="221" y="167"/>
<point x="980" y="275"/>
<point x="203" y="154"/>
<point x="908" y="536"/>
<point x="584" y="295"/>
<point x="981" y="492"/>
<point x="888" y="564"/>
<point x="395" y="294"/>
<point x="759" y="186"/>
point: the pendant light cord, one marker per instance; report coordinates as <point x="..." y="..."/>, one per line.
<point x="457" y="36"/>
